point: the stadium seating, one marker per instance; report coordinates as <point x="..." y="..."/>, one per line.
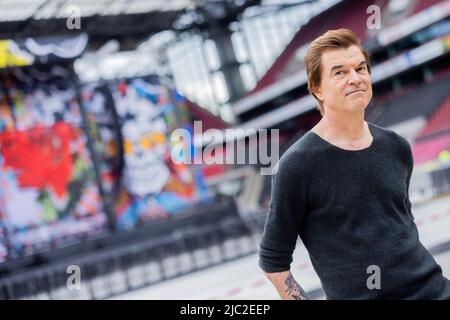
<point x="439" y="121"/>
<point x="429" y="149"/>
<point x="422" y="101"/>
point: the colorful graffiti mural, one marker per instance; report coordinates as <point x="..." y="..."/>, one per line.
<point x="153" y="186"/>
<point x="48" y="194"/>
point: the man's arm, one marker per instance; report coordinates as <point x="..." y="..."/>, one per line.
<point x="287" y="287"/>
<point x="282" y="227"/>
<point x="409" y="161"/>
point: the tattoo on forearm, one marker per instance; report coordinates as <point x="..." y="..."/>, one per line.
<point x="294" y="290"/>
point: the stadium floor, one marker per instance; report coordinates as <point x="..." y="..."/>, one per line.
<point x="242" y="278"/>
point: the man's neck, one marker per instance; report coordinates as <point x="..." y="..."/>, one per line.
<point x="343" y="129"/>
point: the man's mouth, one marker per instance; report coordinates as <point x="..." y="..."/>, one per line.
<point x="354" y="91"/>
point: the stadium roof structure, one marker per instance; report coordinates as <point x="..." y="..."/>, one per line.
<point x="129" y="21"/>
<point x="344" y="14"/>
<point x="287" y="72"/>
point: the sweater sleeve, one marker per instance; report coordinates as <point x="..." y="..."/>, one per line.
<point x="284" y="218"/>
<point x="410" y="166"/>
<point x="407" y="159"/>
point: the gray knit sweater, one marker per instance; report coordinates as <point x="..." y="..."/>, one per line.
<point x="351" y="209"/>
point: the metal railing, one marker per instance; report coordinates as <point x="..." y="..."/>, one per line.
<point x="120" y="270"/>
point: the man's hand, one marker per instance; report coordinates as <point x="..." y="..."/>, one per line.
<point x="287" y="287"/>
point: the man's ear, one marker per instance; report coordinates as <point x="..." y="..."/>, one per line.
<point x="318" y="93"/>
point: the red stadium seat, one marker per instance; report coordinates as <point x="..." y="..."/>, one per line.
<point x="439" y="121"/>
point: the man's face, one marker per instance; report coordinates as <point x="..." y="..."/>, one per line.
<point x="346" y="85"/>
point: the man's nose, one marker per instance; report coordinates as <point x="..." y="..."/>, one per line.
<point x="354" y="77"/>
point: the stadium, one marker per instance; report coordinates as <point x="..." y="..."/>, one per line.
<point x="92" y="93"/>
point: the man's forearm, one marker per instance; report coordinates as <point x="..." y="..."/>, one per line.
<point x="287" y="287"/>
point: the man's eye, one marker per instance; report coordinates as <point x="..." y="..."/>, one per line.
<point x="362" y="69"/>
<point x="338" y="73"/>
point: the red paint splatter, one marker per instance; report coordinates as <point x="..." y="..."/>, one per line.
<point x="304" y="265"/>
<point x="435" y="217"/>
<point x="258" y="283"/>
<point x="233" y="292"/>
<point x="122" y="88"/>
<point x="41" y="156"/>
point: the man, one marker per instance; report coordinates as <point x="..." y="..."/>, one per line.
<point x="343" y="188"/>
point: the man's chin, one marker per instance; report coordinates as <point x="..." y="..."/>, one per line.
<point x="358" y="106"/>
